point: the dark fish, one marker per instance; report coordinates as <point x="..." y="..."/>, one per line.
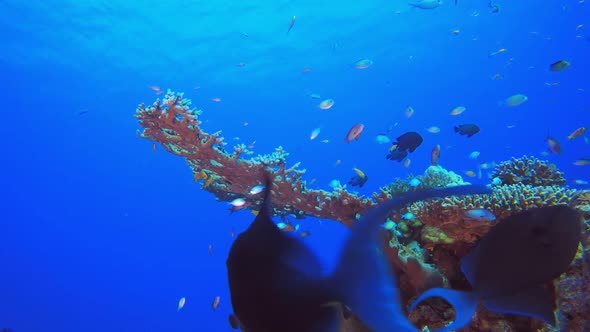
<point x="409" y="141"/>
<point x="277" y="284"/>
<point x="467" y="129"/>
<point x="510" y="266"/>
<point x="358" y="180"/>
<point x="560" y="65"/>
<point x="397" y="155"/>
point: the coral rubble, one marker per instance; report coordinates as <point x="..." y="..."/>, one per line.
<point x="425" y="247"/>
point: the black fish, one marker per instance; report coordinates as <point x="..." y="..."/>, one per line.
<point x="277" y="284"/>
<point x="510" y="266"/>
<point x="358" y="180"/>
<point x="397" y="155"/>
<point x="408" y="141"/>
<point x="467" y="129"/>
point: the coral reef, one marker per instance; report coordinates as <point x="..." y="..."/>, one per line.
<point x="529" y="171"/>
<point x="428" y="238"/>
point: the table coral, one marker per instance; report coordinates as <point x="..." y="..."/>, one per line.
<point x="424" y="251"/>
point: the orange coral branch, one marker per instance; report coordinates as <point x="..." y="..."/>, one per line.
<point x="175" y="125"/>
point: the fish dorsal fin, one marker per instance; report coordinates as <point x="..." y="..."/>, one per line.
<point x="364" y="279"/>
<point x="533" y="302"/>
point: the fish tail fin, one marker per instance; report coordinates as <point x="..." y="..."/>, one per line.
<point x="456" y="129"/>
<point x="464" y="303"/>
<point x="363" y="279"/>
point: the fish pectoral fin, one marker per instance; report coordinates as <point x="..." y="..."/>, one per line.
<point x="464" y="304"/>
<point x="534" y="302"/>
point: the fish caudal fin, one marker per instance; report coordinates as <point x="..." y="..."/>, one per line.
<point x="533" y="302"/>
<point x="364" y="280"/>
<point x="464" y="303"/>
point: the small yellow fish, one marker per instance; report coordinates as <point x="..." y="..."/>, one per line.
<point x="208" y="182"/>
<point x="312" y="181"/>
<point x="254" y="212"/>
<point x="433" y="130"/>
<point x="458" y="110"/>
<point x="326" y="141"/>
<point x="359" y="172"/>
<point x="456" y="31"/>
<point x="181" y="303"/>
<point x="200" y="176"/>
<point x="337" y="162"/>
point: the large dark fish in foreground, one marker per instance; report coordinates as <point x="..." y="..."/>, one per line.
<point x="277" y="284"/>
<point x="511" y="265"/>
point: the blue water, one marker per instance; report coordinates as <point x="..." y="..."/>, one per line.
<point x="98" y="233"/>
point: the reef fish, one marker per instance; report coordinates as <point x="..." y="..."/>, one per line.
<point x="354" y="133"/>
<point x="409" y="141"/>
<point x="359" y="179"/>
<point x="511" y="264"/>
<point x="577" y="133"/>
<point x="553" y="144"/>
<point x="467" y="129"/>
<point x="560" y="65"/>
<point x="434" y="155"/>
<point x="276" y="283"/>
<point x="479" y="215"/>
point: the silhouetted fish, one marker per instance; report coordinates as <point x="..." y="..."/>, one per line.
<point x="358" y="180"/>
<point x="511" y="265"/>
<point x="409" y="141"/>
<point x="276" y="282"/>
<point x="467" y="129"/>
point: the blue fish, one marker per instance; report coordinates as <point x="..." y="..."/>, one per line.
<point x="276" y="283"/>
<point x="510" y="265"/>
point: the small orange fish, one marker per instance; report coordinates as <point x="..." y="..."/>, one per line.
<point x="154" y="88"/>
<point x="582" y="162"/>
<point x="407" y="163"/>
<point x="215" y="303"/>
<point x="232" y="232"/>
<point x="291" y="24"/>
<point x="154" y="147"/>
<point x="409" y="111"/>
<point x="306" y="70"/>
<point x="577" y="133"/>
<point x="208" y="182"/>
<point x="434" y="155"/>
<point x="470" y="173"/>
<point x="200" y="176"/>
<point x="355" y="132"/>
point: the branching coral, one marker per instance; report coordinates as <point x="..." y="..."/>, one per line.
<point x="530" y="171"/>
<point x="427" y="249"/>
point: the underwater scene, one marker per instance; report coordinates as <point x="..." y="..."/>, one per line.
<point x="295" y="165"/>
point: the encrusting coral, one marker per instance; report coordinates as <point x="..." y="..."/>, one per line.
<point x="424" y="250"/>
<point x="530" y="171"/>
